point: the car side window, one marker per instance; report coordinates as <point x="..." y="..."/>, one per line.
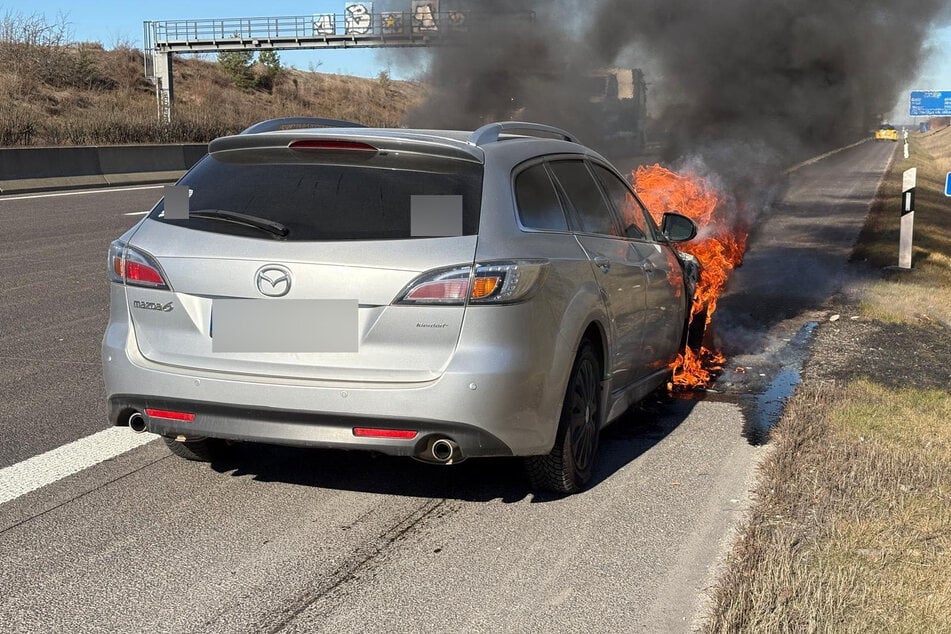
<point x="537" y="200"/>
<point x="594" y="215"/>
<point x="628" y="208"/>
<point x="658" y="236"/>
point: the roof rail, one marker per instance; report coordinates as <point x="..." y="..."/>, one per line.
<point x="490" y="132"/>
<point x="272" y="125"/>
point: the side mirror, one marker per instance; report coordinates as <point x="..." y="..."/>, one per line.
<point x="678" y="228"/>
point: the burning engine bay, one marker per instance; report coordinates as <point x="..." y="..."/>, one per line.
<point x="718" y="247"/>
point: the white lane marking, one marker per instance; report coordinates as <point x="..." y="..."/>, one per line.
<point x="816" y="159"/>
<point x="56" y="464"/>
<point x="80" y="192"/>
<point x="135" y="213"/>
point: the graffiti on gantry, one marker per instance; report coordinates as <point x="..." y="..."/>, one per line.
<point x="324" y="24"/>
<point x="358" y="18"/>
<point x="424" y="16"/>
<point x="392" y="23"/>
<point x="165" y="104"/>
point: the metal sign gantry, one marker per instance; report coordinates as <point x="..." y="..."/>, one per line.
<point x="358" y="27"/>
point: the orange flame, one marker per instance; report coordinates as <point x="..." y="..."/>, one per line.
<point x="719" y="247"/>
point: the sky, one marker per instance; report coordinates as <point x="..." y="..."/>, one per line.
<point x="935" y="74"/>
<point x="120" y="21"/>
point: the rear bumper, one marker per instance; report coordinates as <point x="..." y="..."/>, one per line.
<point x="306" y="429"/>
<point x="492" y="401"/>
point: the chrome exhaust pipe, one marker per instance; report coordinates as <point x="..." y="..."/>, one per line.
<point x="137" y="422"/>
<point x="444" y="451"/>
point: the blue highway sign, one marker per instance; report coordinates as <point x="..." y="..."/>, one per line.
<point x="947" y="185"/>
<point x="931" y="103"/>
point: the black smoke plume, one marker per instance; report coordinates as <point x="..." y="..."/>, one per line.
<point x="516" y="57"/>
<point x="786" y="77"/>
<point x="769" y="80"/>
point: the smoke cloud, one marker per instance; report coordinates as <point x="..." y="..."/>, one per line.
<point x="798" y="75"/>
<point x="766" y="81"/>
<point x="517" y="57"/>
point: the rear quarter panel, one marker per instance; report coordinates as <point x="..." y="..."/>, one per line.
<point x="567" y="302"/>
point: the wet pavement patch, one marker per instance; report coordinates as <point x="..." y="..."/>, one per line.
<point x="764" y="410"/>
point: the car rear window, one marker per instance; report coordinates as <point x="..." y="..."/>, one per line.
<point x="320" y="202"/>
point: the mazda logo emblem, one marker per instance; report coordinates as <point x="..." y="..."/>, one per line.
<point x="273" y="280"/>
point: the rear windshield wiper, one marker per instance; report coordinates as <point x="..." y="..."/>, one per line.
<point x="274" y="228"/>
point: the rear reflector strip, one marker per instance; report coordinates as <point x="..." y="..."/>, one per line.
<point x="367" y="432"/>
<point x="164" y="413"/>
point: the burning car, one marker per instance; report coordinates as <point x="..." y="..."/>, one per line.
<point x="440" y="295"/>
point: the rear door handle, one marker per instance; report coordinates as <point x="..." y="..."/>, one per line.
<point x="647" y="266"/>
<point x="602" y="263"/>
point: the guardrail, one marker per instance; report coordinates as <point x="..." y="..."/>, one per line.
<point x="49" y="168"/>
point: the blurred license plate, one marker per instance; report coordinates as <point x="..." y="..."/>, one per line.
<point x="285" y="325"/>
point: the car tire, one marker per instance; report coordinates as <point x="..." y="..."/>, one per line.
<point x="567" y="468"/>
<point x="200" y="450"/>
<point x="696" y="329"/>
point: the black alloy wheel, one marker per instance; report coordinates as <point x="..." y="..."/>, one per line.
<point x="569" y="465"/>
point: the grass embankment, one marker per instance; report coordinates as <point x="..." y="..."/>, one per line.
<point x="922" y="295"/>
<point x="851" y="531"/>
<point x="81" y="94"/>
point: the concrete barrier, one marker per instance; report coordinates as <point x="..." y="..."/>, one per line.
<point x="44" y="169"/>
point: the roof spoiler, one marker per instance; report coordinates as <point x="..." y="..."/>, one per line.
<point x="392" y="149"/>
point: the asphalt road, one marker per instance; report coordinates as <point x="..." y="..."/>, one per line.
<point x="795" y="263"/>
<point x="286" y="539"/>
<point x="54" y="310"/>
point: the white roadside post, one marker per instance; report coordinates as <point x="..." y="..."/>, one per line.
<point x="909" y="180"/>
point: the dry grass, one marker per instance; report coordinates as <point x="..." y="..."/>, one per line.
<point x="851" y="531"/>
<point x="53" y="94"/>
<point x="923" y="294"/>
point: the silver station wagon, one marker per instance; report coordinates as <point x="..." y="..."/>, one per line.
<point x="428" y="293"/>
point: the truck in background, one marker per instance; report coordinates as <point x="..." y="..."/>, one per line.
<point x="620" y="96"/>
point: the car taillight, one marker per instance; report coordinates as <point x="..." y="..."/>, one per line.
<point x="444" y="286"/>
<point x="128" y="265"/>
<point x="508" y="282"/>
<point x="489" y="283"/>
